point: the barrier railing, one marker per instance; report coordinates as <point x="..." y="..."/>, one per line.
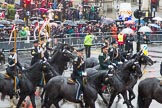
<point x="75" y="41"/>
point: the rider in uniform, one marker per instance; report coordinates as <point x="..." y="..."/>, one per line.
<point x="104" y="58"/>
<point x="13" y="66"/>
<point x="114" y="53"/>
<point x="35" y="52"/>
<point x="78" y="70"/>
<point x="45" y="45"/>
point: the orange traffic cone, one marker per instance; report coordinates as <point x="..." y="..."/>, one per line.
<point x="31" y="106"/>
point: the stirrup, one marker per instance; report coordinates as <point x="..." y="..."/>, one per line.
<point x="70" y="81"/>
<point x="160" y="82"/>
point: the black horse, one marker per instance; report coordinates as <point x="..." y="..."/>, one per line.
<point x="149" y="89"/>
<point x="61" y="56"/>
<point x="2" y="57"/>
<point x="143" y="60"/>
<point x="58" y="88"/>
<point x="120" y="79"/>
<point x="32" y="77"/>
<point x="91" y="62"/>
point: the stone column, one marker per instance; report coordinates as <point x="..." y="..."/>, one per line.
<point x="160" y="4"/>
<point x="108" y="5"/>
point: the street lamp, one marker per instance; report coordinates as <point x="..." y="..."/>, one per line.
<point x="139" y="22"/>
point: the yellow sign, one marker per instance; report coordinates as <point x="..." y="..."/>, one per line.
<point x="145" y="49"/>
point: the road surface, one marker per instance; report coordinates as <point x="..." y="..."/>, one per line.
<point x="150" y="71"/>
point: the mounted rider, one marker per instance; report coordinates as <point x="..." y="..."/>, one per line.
<point x="115" y="54"/>
<point x="45" y="47"/>
<point x="104" y="58"/>
<point x="35" y="52"/>
<point x="78" y="70"/>
<point x="13" y="67"/>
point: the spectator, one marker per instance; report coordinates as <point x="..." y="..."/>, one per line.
<point x="114" y="30"/>
<point x="23" y="33"/>
<point x="88" y="43"/>
<point x="17" y="16"/>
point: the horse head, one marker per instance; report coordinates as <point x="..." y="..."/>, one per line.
<point x="68" y="54"/>
<point x="134" y="67"/>
<point x="146" y="60"/>
<point x="142" y="58"/>
<point x="48" y="69"/>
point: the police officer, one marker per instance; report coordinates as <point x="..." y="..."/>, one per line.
<point x="114" y="53"/>
<point x="35" y="52"/>
<point x="13" y="65"/>
<point x="104" y="58"/>
<point x="88" y="43"/>
<point x="78" y="70"/>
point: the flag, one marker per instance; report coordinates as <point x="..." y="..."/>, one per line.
<point x="36" y="28"/>
<point x="44" y="24"/>
<point x="13" y="28"/>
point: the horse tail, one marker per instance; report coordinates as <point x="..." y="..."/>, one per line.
<point x="140" y="99"/>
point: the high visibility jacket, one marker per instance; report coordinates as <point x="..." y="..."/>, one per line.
<point x="120" y="39"/>
<point x="88" y="40"/>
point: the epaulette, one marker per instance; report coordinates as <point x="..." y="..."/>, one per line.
<point x="76" y="59"/>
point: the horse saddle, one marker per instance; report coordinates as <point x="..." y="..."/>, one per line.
<point x="160" y="82"/>
<point x="6" y="76"/>
<point x="70" y="81"/>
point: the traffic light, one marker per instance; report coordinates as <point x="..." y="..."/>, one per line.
<point x="138" y="14"/>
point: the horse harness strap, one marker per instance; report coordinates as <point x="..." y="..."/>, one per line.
<point x="44" y="79"/>
<point x="118" y="77"/>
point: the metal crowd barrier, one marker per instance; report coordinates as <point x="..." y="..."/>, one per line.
<point x="72" y="40"/>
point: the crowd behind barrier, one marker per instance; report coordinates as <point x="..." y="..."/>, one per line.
<point x="73" y="39"/>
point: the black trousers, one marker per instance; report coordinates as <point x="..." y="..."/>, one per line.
<point x="87" y="50"/>
<point x="12" y="71"/>
<point x="79" y="81"/>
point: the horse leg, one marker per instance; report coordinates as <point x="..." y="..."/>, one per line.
<point x="112" y="97"/>
<point x="119" y="98"/>
<point x="56" y="101"/>
<point x="100" y="93"/>
<point x="131" y="95"/>
<point x="124" y="94"/>
<point x="92" y="105"/>
<point x="147" y="103"/>
<point x="86" y="105"/>
<point x="32" y="98"/>
<point x="42" y="95"/>
<point x="22" y="97"/>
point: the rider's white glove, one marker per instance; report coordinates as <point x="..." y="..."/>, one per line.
<point x="23" y="68"/>
<point x="84" y="74"/>
<point x="110" y="66"/>
<point x="113" y="64"/>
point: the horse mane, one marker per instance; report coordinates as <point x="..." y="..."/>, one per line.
<point x="95" y="75"/>
<point x="127" y="64"/>
<point x="33" y="66"/>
